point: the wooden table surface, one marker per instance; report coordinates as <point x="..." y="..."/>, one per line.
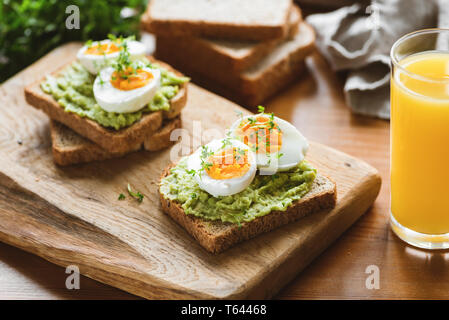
<point x="316" y="106"/>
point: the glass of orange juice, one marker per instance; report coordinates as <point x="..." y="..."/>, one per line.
<point x="420" y="138"/>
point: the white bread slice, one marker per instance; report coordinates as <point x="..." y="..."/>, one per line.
<point x="70" y="148"/>
<point x="227" y="54"/>
<point x="230" y="19"/>
<point x="216" y="236"/>
<point x="256" y="83"/>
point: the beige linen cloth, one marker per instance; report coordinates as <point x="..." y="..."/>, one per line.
<point x="358" y="39"/>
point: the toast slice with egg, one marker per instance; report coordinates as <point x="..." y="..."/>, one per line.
<point x="217" y="236"/>
<point x="228" y="54"/>
<point x="70" y="148"/>
<point x="113" y="141"/>
<point x="253" y="85"/>
<point x="253" y="20"/>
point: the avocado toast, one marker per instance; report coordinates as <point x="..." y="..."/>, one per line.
<point x="253" y="181"/>
<point x="71" y="96"/>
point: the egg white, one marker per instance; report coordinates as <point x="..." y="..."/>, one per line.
<point x="94" y="63"/>
<point x="293" y="149"/>
<point x="112" y="99"/>
<point x="223" y="187"/>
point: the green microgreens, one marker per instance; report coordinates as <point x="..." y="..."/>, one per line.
<point x="112" y="37"/>
<point x="120" y="40"/>
<point x="239" y="113"/>
<point x="205" y="154"/>
<point x="207" y="165"/>
<point x="89" y="43"/>
<point x="123" y="65"/>
<point x="191" y="172"/>
<point x="279" y="155"/>
<point x="136" y="195"/>
<point x="226" y="142"/>
<point x="261" y="109"/>
<point x="124" y="59"/>
<point x="240" y="152"/>
<point x="121" y="196"/>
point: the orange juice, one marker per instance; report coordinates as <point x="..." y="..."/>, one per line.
<point x="420" y="143"/>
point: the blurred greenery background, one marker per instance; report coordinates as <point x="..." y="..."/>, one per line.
<point x="31" y="28"/>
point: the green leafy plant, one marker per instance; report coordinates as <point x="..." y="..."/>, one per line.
<point x="31" y="28"/>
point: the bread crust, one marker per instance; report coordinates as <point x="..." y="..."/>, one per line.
<point x="113" y="141"/>
<point x="81" y="150"/>
<point x="205" y="233"/>
<point x="161" y="139"/>
<point x="223" y="55"/>
<point x="250" y="98"/>
<point x="251" y="86"/>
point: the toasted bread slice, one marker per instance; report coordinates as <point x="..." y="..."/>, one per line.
<point x="248" y="99"/>
<point x="253" y="20"/>
<point x="216" y="236"/>
<point x="227" y="54"/>
<point x="256" y="83"/>
<point x="113" y="141"/>
<point x="69" y="148"/>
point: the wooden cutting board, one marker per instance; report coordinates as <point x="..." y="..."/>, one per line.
<point x="72" y="215"/>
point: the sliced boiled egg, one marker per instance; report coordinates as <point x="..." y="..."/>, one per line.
<point x="99" y="54"/>
<point x="223" y="167"/>
<point x="278" y="145"/>
<point x="126" y="91"/>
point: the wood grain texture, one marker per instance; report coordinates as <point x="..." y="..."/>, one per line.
<point x="72" y="216"/>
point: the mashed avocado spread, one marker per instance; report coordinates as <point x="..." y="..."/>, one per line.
<point x="265" y="194"/>
<point x="73" y="89"/>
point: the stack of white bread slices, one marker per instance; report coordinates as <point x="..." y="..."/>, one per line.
<point x="246" y="50"/>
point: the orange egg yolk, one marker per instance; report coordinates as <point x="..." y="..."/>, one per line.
<point x="130" y="79"/>
<point x="227" y="164"/>
<point x="261" y="134"/>
<point x="100" y="49"/>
